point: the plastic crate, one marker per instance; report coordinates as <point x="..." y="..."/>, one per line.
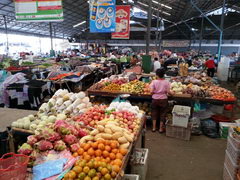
<point x="181" y="115"/>
<point x="231" y="166"/>
<point x="226" y="174"/>
<point x="179" y="132"/>
<point x="233" y="151"/>
<point x="130" y="177"/>
<point x="224" y="128"/>
<point x="139" y="162"/>
<point x="235" y="140"/>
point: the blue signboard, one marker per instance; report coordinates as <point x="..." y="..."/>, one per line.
<point x="102" y="16"/>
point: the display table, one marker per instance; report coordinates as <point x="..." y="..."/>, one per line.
<point x="7" y="116"/>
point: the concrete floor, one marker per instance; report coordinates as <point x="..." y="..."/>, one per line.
<point x="201" y="158"/>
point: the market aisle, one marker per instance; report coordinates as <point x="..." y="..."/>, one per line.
<point x="198" y="159"/>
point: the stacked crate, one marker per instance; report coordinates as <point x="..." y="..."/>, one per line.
<point x="232" y="158"/>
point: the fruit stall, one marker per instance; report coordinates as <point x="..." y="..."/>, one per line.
<point x="71" y="138"/>
<point x="195" y="88"/>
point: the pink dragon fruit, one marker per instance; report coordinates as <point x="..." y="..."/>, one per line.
<point x="75" y="147"/>
<point x="62" y="127"/>
<point x="50" y="135"/>
<point x="70" y="139"/>
<point x="82" y="133"/>
<point x="59" y="145"/>
<point x="44" y="145"/>
<point x="32" y="140"/>
<point x="25" y="149"/>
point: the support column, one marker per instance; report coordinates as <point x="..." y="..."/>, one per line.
<point x="157" y="26"/>
<point x="52" y="52"/>
<point x="201" y="36"/>
<point x="148" y="38"/>
<point x="51" y="38"/>
<point x="221" y="32"/>
<point x="6" y="33"/>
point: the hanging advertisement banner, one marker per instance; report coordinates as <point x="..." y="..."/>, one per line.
<point x="38" y="10"/>
<point x="102" y="16"/>
<point x="122" y="22"/>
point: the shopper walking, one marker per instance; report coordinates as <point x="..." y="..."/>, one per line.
<point x="156" y="64"/>
<point x="210" y="65"/>
<point x="160" y="89"/>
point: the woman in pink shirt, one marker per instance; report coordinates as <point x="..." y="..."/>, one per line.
<point x="160" y="88"/>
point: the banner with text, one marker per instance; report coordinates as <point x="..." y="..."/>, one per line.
<point x="122" y="23"/>
<point x="38" y="10"/>
<point x="102" y="16"/>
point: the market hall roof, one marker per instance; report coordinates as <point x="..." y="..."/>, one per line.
<point x="174" y="13"/>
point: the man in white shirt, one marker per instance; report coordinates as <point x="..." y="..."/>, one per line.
<point x="156" y="64"/>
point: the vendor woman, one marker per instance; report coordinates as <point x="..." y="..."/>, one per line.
<point x="160" y="89"/>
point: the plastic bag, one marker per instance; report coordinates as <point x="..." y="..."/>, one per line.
<point x="48" y="169"/>
<point x="210" y="128"/>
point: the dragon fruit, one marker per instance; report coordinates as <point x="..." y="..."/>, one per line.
<point x="59" y="145"/>
<point x="25" y="149"/>
<point x="50" y="135"/>
<point x="75" y="147"/>
<point x="62" y="127"/>
<point x="32" y="140"/>
<point x="82" y="133"/>
<point x="70" y="139"/>
<point x="44" y="145"/>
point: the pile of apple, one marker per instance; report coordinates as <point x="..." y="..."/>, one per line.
<point x="127" y="120"/>
<point x="92" y="116"/>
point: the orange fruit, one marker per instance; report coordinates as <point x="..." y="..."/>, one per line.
<point x="72" y="174"/>
<point x="91" y="151"/>
<point x="119" y="156"/>
<point x="97" y="158"/>
<point x="108" y="160"/>
<point x="114" y="144"/>
<point x="77" y="169"/>
<point x="94" y="145"/>
<point x="82" y="145"/>
<point x="101" y="141"/>
<point x="105" y="153"/>
<point x="80" y="151"/>
<point x="107" y="177"/>
<point x="86" y="147"/>
<point x="75" y="154"/>
<point x="107" y="148"/>
<point x="123" y="151"/>
<point x="116" y="168"/>
<point x="84" y="154"/>
<point x="87" y="157"/>
<point x="101" y="146"/>
<point x="98" y="153"/>
<point x="117" y="162"/>
<point x="112" y="156"/>
<point x="113" y="174"/>
<point x="86" y="169"/>
<point x="104" y="171"/>
<point x="96" y="164"/>
<point x="115" y="151"/>
<point x="107" y="142"/>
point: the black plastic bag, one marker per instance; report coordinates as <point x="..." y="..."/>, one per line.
<point x="210" y="128"/>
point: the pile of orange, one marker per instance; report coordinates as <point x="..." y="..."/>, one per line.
<point x="91" y="170"/>
<point x="107" y="151"/>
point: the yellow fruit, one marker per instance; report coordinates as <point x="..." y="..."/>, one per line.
<point x="86" y="169"/>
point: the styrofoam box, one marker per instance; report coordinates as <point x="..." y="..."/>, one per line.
<point x="181" y="115"/>
<point x="130" y="177"/>
<point x="141" y="168"/>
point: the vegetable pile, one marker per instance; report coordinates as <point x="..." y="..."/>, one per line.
<point x="59" y="107"/>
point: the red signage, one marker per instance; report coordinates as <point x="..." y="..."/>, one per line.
<point x="122" y="22"/>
